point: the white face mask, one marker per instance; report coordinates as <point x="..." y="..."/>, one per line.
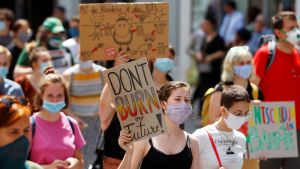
<point x="293" y="36"/>
<point x="234" y="122"/>
<point x="243" y="71"/>
<point x="85" y="64"/>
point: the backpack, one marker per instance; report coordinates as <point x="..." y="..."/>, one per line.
<point x="271" y="41"/>
<point x="205" y="101"/>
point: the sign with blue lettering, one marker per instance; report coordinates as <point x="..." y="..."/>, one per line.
<point x="272" y="130"/>
<point x="135" y="99"/>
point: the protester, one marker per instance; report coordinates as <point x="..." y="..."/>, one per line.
<point x="7" y="87"/>
<point x="21" y="34"/>
<point x="259" y="30"/>
<point x="232" y="22"/>
<point x="161" y="69"/>
<point x="6" y="20"/>
<point x="220" y="144"/>
<point x="242" y="37"/>
<point x="51" y="36"/>
<point x="73" y="43"/>
<point x="238" y="69"/>
<point x="14" y="134"/>
<point x="174" y="149"/>
<point x="56" y="138"/>
<point x="60" y="12"/>
<point x="279" y="79"/>
<point x="85" y="81"/>
<point x="110" y="125"/>
<point x="39" y="59"/>
<point x="209" y="58"/>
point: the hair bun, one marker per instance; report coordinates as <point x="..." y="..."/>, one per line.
<point x="49" y="70"/>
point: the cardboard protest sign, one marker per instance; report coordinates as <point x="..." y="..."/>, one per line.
<point x="272" y="130"/>
<point x="135" y="99"/>
<point x="139" y="28"/>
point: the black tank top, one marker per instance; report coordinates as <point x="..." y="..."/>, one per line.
<point x="111" y="136"/>
<point x="156" y="159"/>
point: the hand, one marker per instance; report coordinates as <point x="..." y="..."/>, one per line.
<point x="207" y="59"/>
<point x="263" y="158"/>
<point x="222" y="168"/>
<point x="199" y="56"/>
<point x="57" y="164"/>
<point x="121" y="58"/>
<point x="72" y="163"/>
<point x="124" y="140"/>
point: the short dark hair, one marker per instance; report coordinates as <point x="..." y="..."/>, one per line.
<point x="232" y="94"/>
<point x="60" y="8"/>
<point x="244" y="34"/>
<point x="232" y="4"/>
<point x="277" y="20"/>
<point x="165" y="91"/>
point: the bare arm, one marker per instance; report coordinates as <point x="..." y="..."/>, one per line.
<point x="76" y="162"/>
<point x="135" y="152"/>
<point x="214" y="56"/>
<point x="106" y="109"/>
<point x="195" y="152"/>
<point x="214" y="107"/>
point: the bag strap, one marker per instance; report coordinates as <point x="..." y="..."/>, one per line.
<point x="214" y="147"/>
<point x="271" y="56"/>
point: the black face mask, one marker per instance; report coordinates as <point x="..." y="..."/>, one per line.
<point x="14" y="155"/>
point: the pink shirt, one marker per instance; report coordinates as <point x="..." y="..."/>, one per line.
<point x="55" y="140"/>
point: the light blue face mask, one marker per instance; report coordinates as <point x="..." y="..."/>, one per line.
<point x="43" y="66"/>
<point x="3" y="71"/>
<point x="164" y="65"/>
<point x="2" y="25"/>
<point x="14" y="155"/>
<point x="53" y="107"/>
<point x="243" y="71"/>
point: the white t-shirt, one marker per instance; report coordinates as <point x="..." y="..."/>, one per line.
<point x="231" y="147"/>
<point x="73" y="46"/>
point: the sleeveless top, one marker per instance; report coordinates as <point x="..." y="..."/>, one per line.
<point x="111" y="136"/>
<point x="159" y="160"/>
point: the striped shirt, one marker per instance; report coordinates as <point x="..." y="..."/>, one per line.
<point x="85" y="90"/>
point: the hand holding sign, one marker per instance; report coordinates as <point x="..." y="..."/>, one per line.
<point x="121" y="58"/>
<point x="124" y="141"/>
<point x="135" y="99"/>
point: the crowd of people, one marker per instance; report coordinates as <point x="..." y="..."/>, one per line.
<point x="55" y="106"/>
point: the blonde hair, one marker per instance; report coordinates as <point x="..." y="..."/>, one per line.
<point x="234" y="54"/>
<point x="6" y="52"/>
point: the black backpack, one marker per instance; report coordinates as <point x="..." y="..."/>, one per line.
<point x="271" y="41"/>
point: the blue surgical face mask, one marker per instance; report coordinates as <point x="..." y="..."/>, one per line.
<point x="3" y="71"/>
<point x="164" y="65"/>
<point x="53" y="107"/>
<point x="2" y="25"/>
<point x="74" y="32"/>
<point x="243" y="71"/>
<point x="43" y="66"/>
<point x="14" y="155"/>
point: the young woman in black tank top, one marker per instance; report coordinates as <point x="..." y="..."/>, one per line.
<point x="175" y="149"/>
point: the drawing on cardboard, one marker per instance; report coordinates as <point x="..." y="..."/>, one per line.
<point x="139" y="28"/>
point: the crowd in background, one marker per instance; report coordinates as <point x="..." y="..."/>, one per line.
<point x="56" y="108"/>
